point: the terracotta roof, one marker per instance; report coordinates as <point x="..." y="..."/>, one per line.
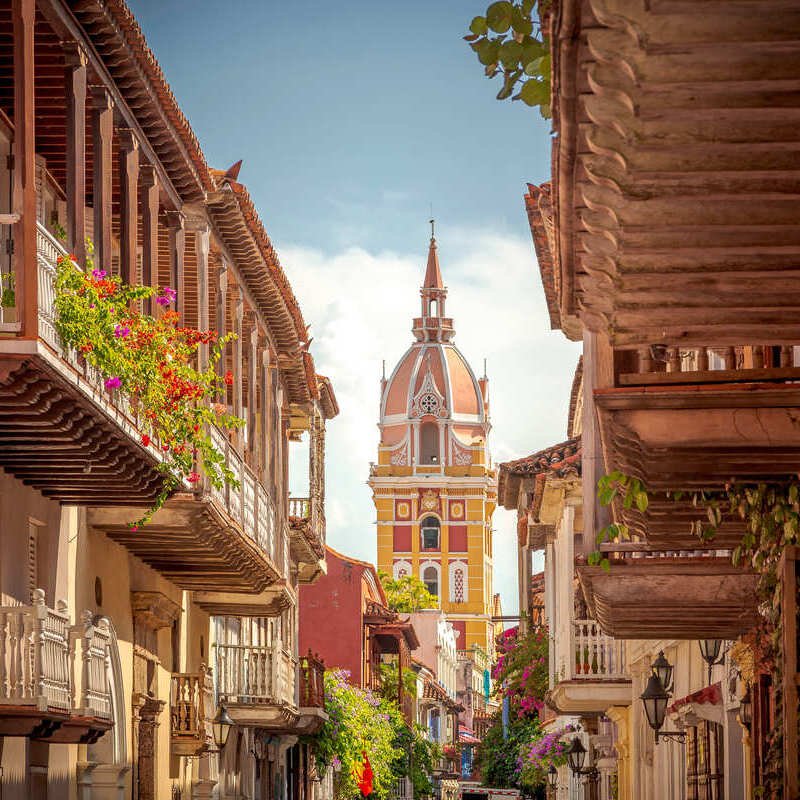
<point x="557" y="461"/>
<point x="540" y="215"/>
<point x="574" y="395"/>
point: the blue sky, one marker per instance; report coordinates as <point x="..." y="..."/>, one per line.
<point x="352" y="118"/>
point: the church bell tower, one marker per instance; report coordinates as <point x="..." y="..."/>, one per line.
<point x="433" y="485"/>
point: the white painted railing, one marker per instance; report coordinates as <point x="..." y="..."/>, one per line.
<point x="38" y="654"/>
<point x="255" y="674"/>
<point x="595" y="655"/>
<point x="300" y="507"/>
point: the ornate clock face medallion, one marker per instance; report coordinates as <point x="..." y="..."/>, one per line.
<point x="429" y="500"/>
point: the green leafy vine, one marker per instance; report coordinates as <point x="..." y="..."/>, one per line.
<point x="510" y="42"/>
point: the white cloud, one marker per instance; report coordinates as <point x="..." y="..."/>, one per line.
<point x="361" y="304"/>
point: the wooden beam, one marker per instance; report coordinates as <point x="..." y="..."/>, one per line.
<point x="221" y="310"/>
<point x="102" y="138"/>
<point x="23" y="14"/>
<point x="148" y="184"/>
<point x="201" y="248"/>
<point x="252" y="361"/>
<point x="176" y="221"/>
<point x="237" y="357"/>
<point x="128" y="204"/>
<point x="75" y="80"/>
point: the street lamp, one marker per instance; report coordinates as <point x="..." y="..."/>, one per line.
<point x="662" y="669"/>
<point x="576" y="755"/>
<point x="655" y="699"/>
<point x="746" y="709"/>
<point x="221" y="726"/>
<point x="710" y="650"/>
<point x="552" y="777"/>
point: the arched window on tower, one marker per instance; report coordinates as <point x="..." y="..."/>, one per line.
<point x="429" y="528"/>
<point x="433" y="308"/>
<point x="429" y="443"/>
<point x="430" y="577"/>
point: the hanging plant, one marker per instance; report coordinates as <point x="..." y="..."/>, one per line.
<point x="151" y="360"/>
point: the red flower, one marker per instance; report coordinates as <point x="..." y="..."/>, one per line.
<point x="229" y="378"/>
<point x="193" y="477"/>
<point x="145" y="440"/>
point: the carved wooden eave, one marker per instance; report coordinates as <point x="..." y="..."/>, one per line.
<point x="675" y="188"/>
<point x="274" y="718"/>
<point x="683" y="437"/>
<point x="690" y="597"/>
<point x="307" y="549"/>
<point x="66" y="439"/>
<point x="115" y="35"/>
<point x="270" y="602"/>
<point x="192" y="543"/>
<point x="154" y="610"/>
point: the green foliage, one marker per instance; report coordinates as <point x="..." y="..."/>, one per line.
<point x="425" y="756"/>
<point x="388" y="673"/>
<point x="522" y="670"/>
<point x="151" y="360"/>
<point x="8" y="295"/>
<point x="407" y="594"/>
<point x="509" y="42"/>
<point x="360" y="722"/>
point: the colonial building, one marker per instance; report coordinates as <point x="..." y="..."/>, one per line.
<point x="117" y="644"/>
<point x="433" y="483"/>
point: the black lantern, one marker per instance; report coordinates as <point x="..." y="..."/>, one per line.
<point x="576" y="755"/>
<point x="746" y="709"/>
<point x="662" y="669"/>
<point x="710" y="650"/>
<point x="552" y="777"/>
<point x="221" y="725"/>
<point x="655" y="700"/>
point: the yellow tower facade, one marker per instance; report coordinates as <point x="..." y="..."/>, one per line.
<point x="433" y="484"/>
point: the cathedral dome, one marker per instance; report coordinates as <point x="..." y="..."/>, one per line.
<point x="434" y="411"/>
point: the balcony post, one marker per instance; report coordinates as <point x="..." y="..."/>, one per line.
<point x="75" y="80"/>
<point x="265" y="409"/>
<point x="23" y="14"/>
<point x="238" y="319"/>
<point x="222" y="310"/>
<point x="252" y="361"/>
<point x="102" y="137"/>
<point x="148" y="184"/>
<point x="176" y="221"/>
<point x="129" y="202"/>
<point x="201" y="246"/>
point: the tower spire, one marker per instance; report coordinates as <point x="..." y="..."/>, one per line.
<point x="433" y="326"/>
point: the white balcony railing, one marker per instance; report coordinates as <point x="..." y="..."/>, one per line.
<point x="595" y="655"/>
<point x="255" y="674"/>
<point x="38" y="656"/>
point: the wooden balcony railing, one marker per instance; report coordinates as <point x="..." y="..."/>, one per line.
<point x="50" y="666"/>
<point x="595" y="655"/>
<point x="191" y="711"/>
<point x="312" y="682"/>
<point x="664" y="364"/>
<point x="253" y="674"/>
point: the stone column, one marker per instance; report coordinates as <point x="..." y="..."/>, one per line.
<point x="620" y="716"/>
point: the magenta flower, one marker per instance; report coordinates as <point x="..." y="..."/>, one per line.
<point x="113" y="383"/>
<point x="168" y="296"/>
<point x="121" y="331"/>
<point x="99" y="274"/>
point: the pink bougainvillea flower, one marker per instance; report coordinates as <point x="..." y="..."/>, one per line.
<point x="113" y="383"/>
<point x="193" y="477"/>
<point x="121" y="331"/>
<point x="167" y="296"/>
<point x="98" y="274"/>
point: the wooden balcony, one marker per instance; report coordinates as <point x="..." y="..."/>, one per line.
<point x="311" y="694"/>
<point x="61" y="431"/>
<point x="689" y="594"/>
<point x="694" y="418"/>
<point x="591" y="673"/>
<point x="307" y="537"/>
<point x="40" y="656"/>
<point x="224" y="543"/>
<point x="259" y="686"/>
<point x="192" y="708"/>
